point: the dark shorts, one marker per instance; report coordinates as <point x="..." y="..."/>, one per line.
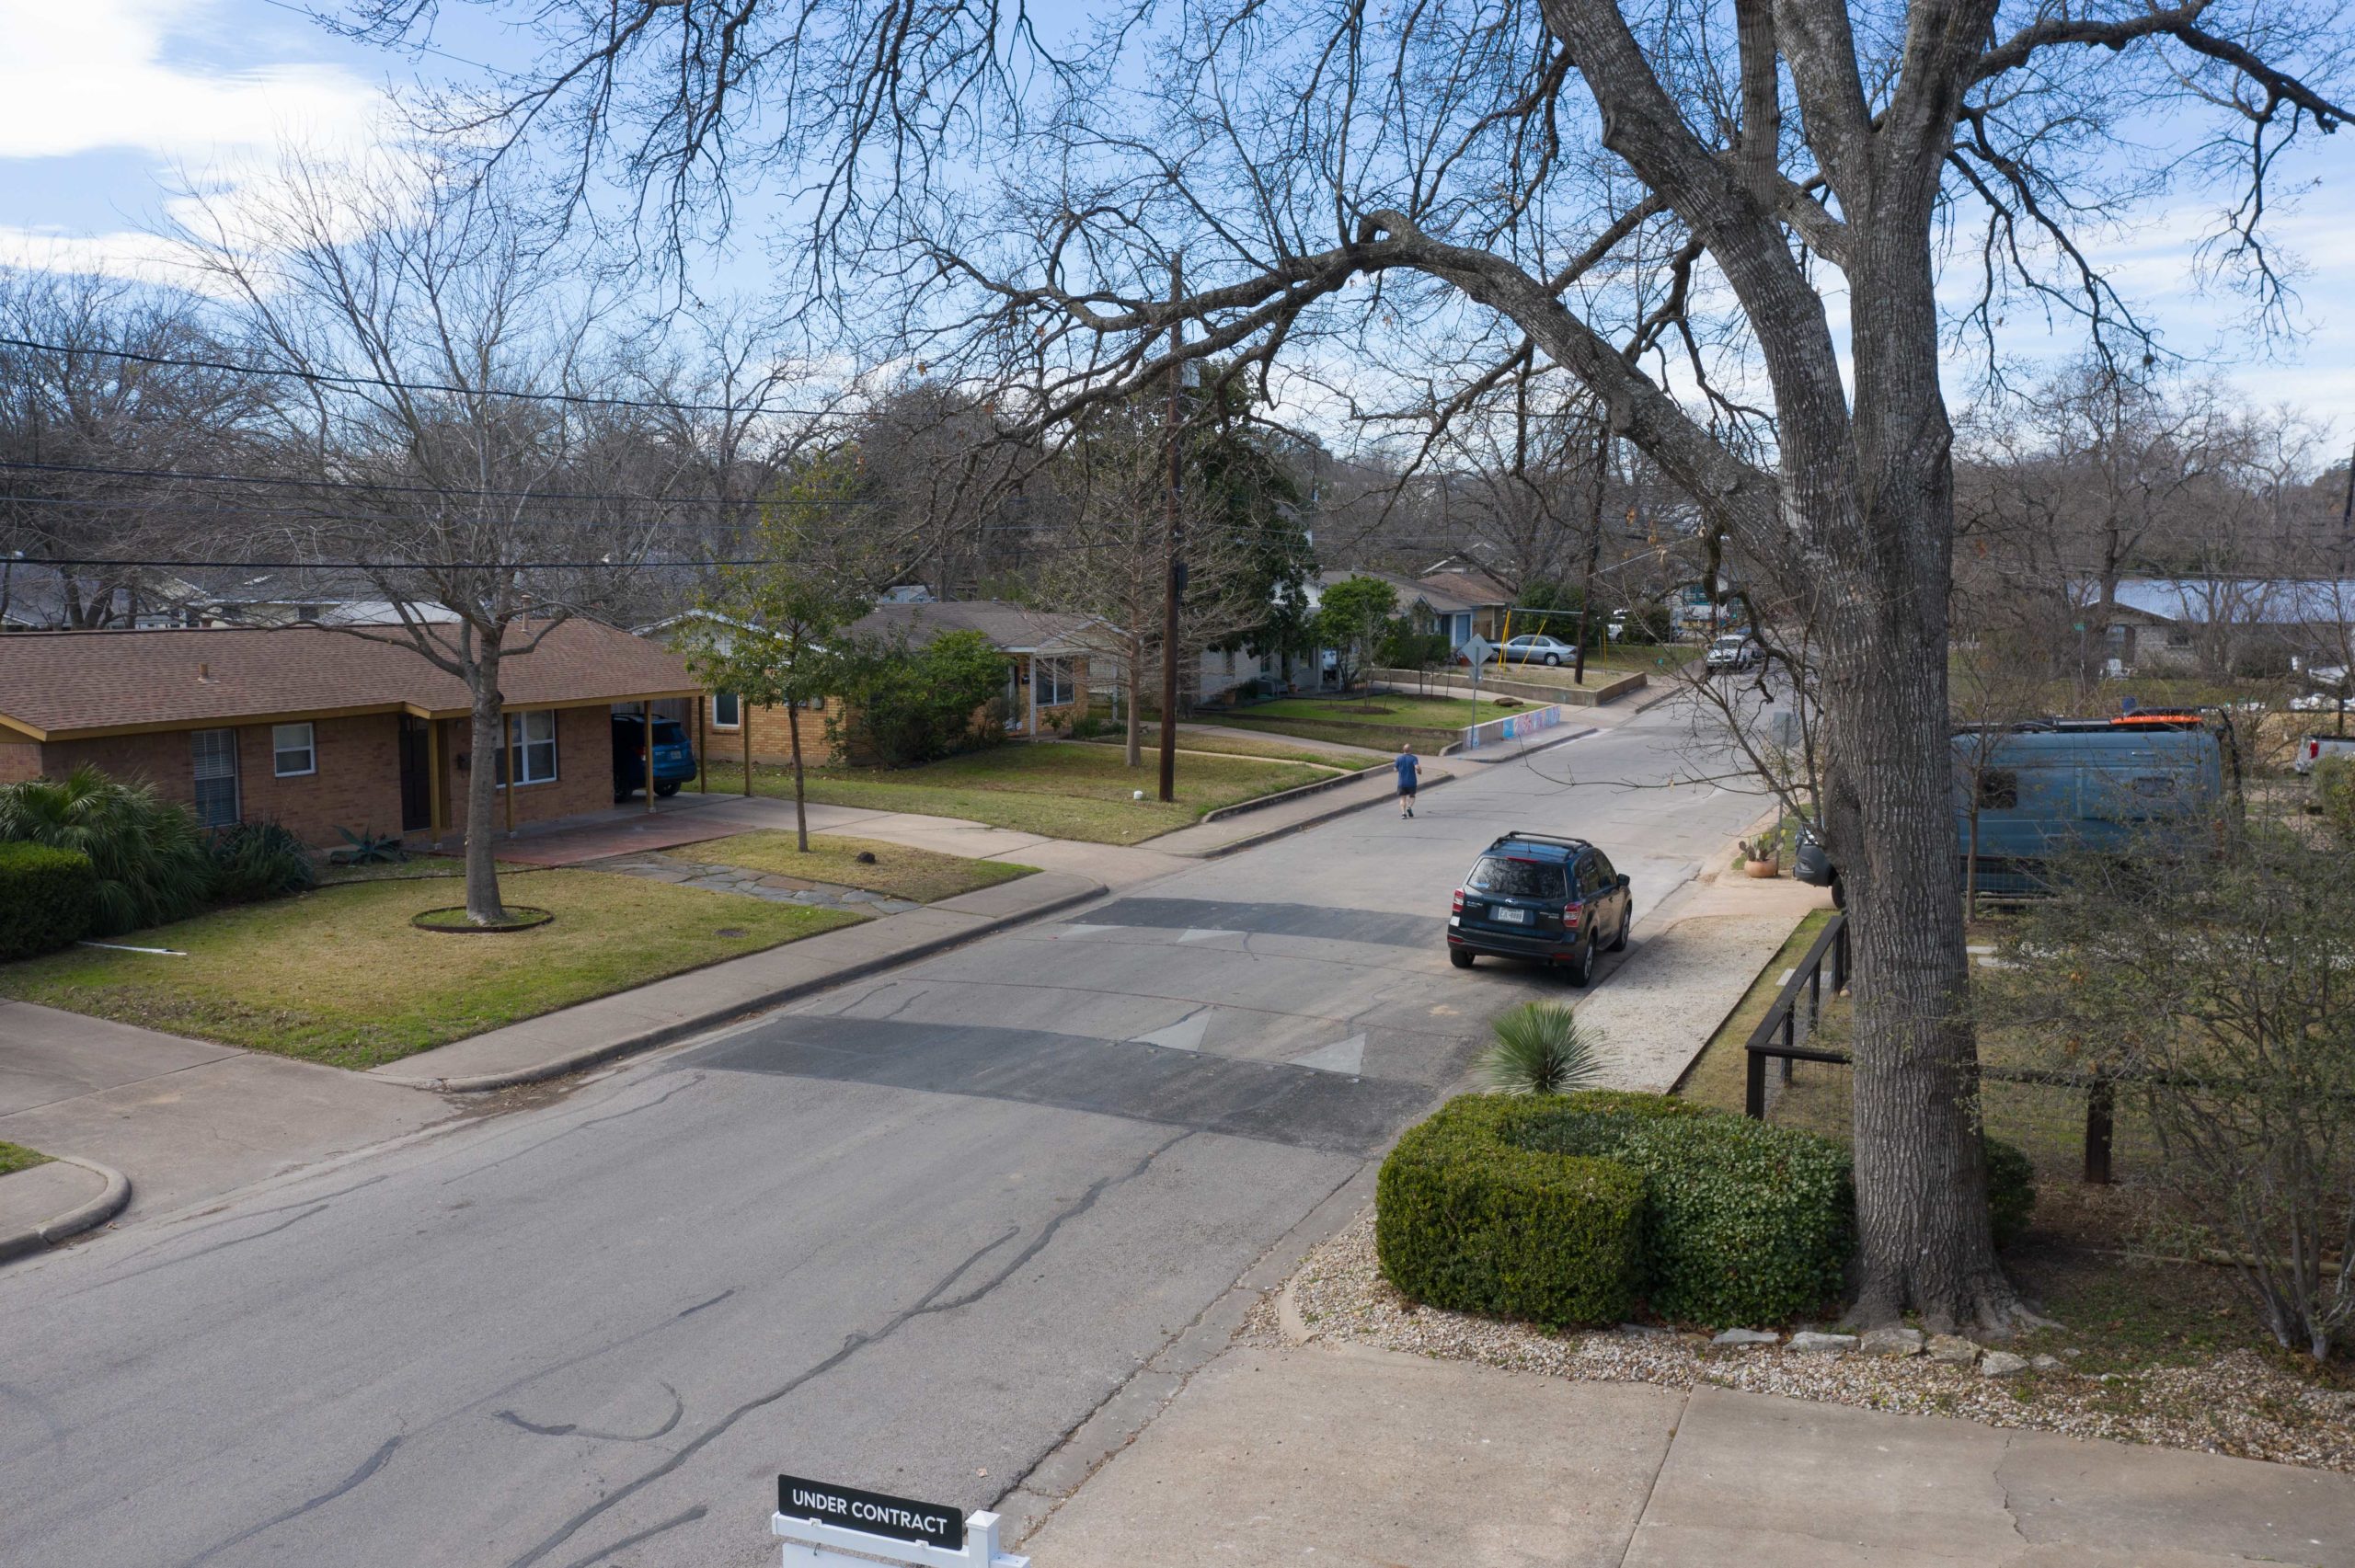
<point x="1406" y="787"/>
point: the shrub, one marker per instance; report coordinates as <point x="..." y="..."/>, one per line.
<point x="2011" y="1190"/>
<point x="2334" y="797"/>
<point x="260" y="860"/>
<point x="1470" y="1219"/>
<point x="903" y="706"/>
<point x="1744" y="1222"/>
<point x="1540" y="1048"/>
<point x="47" y="899"/>
<point x="149" y="857"/>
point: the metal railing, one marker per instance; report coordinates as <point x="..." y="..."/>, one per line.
<point x="1777" y="1037"/>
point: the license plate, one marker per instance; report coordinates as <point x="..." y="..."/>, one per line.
<point x="1512" y="917"/>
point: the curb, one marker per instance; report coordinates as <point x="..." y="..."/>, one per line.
<point x="679" y="1029"/>
<point x="1319" y="787"/>
<point x="1273" y="834"/>
<point x="110" y="1202"/>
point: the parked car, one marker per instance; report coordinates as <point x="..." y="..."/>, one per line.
<point x="1733" y="650"/>
<point x="1534" y="896"/>
<point x="2313" y="748"/>
<point x="2053" y="784"/>
<point x="674" y="756"/>
<point x="1618" y="628"/>
<point x="1536" y="649"/>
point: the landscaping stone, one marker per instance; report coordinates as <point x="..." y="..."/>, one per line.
<point x="2001" y="1364"/>
<point x="1816" y="1344"/>
<point x="1748" y="1336"/>
<point x="1891" y="1342"/>
<point x="2045" y="1363"/>
<point x="1952" y="1350"/>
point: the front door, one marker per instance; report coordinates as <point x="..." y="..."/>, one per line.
<point x="417" y="777"/>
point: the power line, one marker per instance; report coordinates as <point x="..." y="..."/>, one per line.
<point x="182" y="475"/>
<point x="329" y="378"/>
<point x="375" y="566"/>
<point x="184" y="508"/>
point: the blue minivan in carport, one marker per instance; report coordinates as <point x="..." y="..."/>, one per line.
<point x="674" y="756"/>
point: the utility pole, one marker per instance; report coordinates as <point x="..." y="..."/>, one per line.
<point x="1175" y="588"/>
<point x="1594" y="551"/>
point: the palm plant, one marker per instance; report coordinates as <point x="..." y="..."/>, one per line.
<point x="150" y="856"/>
<point x="1542" y="1049"/>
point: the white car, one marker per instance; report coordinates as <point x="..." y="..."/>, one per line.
<point x="1536" y="649"/>
<point x="2313" y="748"/>
<point x="1734" y="650"/>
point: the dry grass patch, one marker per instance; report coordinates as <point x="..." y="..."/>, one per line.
<point x="897" y="870"/>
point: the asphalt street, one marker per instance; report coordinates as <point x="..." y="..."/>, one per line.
<point x="906" y="1235"/>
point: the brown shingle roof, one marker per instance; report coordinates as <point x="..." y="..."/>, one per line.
<point x="1011" y="628"/>
<point x="60" y="685"/>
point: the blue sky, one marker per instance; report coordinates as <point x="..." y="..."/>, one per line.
<point x="106" y="106"/>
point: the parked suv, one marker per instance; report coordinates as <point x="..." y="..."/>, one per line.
<point x="674" y="756"/>
<point x="1531" y="896"/>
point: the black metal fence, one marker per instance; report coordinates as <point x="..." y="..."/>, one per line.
<point x="1779" y="1036"/>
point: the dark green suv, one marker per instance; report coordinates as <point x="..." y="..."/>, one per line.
<point x="1532" y="896"/>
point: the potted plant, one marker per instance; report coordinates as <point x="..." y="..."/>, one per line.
<point x="1760" y="858"/>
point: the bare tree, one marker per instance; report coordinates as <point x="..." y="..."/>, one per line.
<point x="459" y="438"/>
<point x="1580" y="181"/>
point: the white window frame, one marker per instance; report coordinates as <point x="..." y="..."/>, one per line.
<point x="280" y="751"/>
<point x="718" y="723"/>
<point x="520" y="741"/>
<point x="1052" y="682"/>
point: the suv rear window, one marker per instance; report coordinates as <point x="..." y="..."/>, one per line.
<point x="1508" y="878"/>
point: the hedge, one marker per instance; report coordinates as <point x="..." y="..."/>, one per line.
<point x="2011" y="1190"/>
<point x="47" y="899"/>
<point x="1745" y="1223"/>
<point x="1470" y="1219"/>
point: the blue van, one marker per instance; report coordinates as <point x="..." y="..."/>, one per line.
<point x="674" y="756"/>
<point x="2066" y="783"/>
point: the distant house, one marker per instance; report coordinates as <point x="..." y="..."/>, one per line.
<point x="316" y="729"/>
<point x="1456" y="613"/>
<point x="1488" y="598"/>
<point x="37" y="597"/>
<point x="1046" y="679"/>
<point x="2219" y="622"/>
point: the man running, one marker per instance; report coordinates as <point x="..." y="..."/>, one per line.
<point x="1408" y="767"/>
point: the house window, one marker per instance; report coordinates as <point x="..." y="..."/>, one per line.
<point x="293" y="751"/>
<point x="214" y="753"/>
<point x="1229" y="661"/>
<point x="2178" y="637"/>
<point x="532" y="735"/>
<point x="1051" y="681"/>
<point x="726" y="710"/>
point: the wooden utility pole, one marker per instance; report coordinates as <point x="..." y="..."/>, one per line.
<point x="1175" y="587"/>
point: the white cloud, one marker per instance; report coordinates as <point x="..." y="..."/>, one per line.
<point x="101" y="76"/>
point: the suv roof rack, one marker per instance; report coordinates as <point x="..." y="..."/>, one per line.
<point x="1540" y="839"/>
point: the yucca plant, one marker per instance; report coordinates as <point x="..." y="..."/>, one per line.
<point x="149" y="855"/>
<point x="1542" y="1049"/>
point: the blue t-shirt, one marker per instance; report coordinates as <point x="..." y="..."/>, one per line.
<point x="1406" y="762"/>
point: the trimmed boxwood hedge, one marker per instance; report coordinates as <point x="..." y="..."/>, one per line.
<point x="47" y="899"/>
<point x="1469" y="1217"/>
<point x="1744" y="1222"/>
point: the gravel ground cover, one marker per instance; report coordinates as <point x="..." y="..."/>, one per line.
<point x="2234" y="1402"/>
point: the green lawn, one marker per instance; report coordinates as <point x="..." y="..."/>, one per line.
<point x="897" y="870"/>
<point x="1061" y="789"/>
<point x="340" y="976"/>
<point x="1382" y="710"/>
<point x="1274" y="750"/>
<point x="14" y="1157"/>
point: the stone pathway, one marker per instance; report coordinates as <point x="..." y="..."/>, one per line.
<point x="660" y="867"/>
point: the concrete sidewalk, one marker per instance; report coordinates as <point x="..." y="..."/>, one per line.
<point x="573" y="1039"/>
<point x="1279" y="1454"/>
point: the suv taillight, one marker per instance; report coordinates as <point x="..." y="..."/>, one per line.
<point x="1570" y="917"/>
<point x="1457" y="906"/>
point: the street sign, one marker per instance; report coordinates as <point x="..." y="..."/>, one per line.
<point x="827" y="1525"/>
<point x="1477" y="648"/>
<point x="874" y="1513"/>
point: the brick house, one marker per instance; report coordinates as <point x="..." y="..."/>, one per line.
<point x="1046" y="681"/>
<point x="318" y="730"/>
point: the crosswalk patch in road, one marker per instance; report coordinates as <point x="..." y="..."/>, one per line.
<point x="1343" y="1056"/>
